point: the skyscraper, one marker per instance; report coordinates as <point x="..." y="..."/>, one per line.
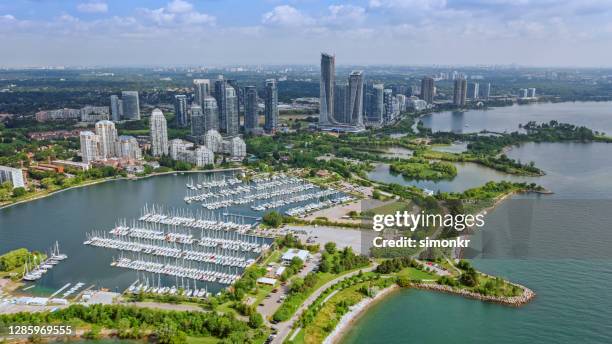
<point x="198" y="121"/>
<point x="485" y="91"/>
<point x="271" y="106"/>
<point x="251" y="117"/>
<point x="127" y="148"/>
<point x="473" y="91"/>
<point x="211" y="114"/>
<point x="89" y="146"/>
<point x="232" y="119"/>
<point x="201" y="89"/>
<point x="116" y="108"/>
<point x="427" y="89"/>
<point x="388" y="105"/>
<point x="220" y="95"/>
<point x="355" y="98"/>
<point x="341" y="102"/>
<point x="180" y="110"/>
<point x="159" y="133"/>
<point x="326" y="94"/>
<point x="375" y="108"/>
<point x="459" y="92"/>
<point x="531" y="92"/>
<point x="131" y="105"/>
<point x="107" y="135"/>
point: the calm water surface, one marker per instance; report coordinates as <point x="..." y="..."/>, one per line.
<point x="558" y="245"/>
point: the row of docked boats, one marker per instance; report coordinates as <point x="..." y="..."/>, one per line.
<point x="293" y="199"/>
<point x="174" y="270"/>
<point x="34" y="269"/>
<point x="318" y="205"/>
<point x="165" y="251"/>
<point x="153" y="217"/>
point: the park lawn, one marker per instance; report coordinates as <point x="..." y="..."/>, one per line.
<point x="391" y="208"/>
<point x="294" y="301"/>
<point x="272" y="258"/>
<point x="327" y="318"/>
<point x="299" y="338"/>
<point x="416" y="274"/>
<point x="202" y="340"/>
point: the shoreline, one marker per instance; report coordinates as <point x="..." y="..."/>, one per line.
<point x="100" y="181"/>
<point x="515" y="301"/>
<point x="355" y="313"/>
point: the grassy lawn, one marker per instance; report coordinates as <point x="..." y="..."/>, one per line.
<point x="391" y="208"/>
<point x="413" y="273"/>
<point x="202" y="340"/>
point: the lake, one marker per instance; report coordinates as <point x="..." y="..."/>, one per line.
<point x="558" y="245"/>
<point x="594" y="115"/>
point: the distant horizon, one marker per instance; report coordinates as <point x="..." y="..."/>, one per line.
<point x="546" y="33"/>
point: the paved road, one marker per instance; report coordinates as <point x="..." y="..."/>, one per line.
<point x="285" y="327"/>
<point x="271" y="304"/>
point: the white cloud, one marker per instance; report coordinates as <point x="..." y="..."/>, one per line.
<point x="179" y="6"/>
<point x="177" y="13"/>
<point x="409" y="4"/>
<point x="7" y="17"/>
<point x="286" y="15"/>
<point x="345" y="14"/>
<point x="93" y="7"/>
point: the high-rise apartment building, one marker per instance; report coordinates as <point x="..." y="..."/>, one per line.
<point x="107" y="134"/>
<point x="198" y="121"/>
<point x="271" y="106"/>
<point x="341" y="102"/>
<point x="131" y="105"/>
<point x="211" y="114"/>
<point x="13" y="176"/>
<point x="459" y="92"/>
<point x="326" y="94"/>
<point x="355" y="99"/>
<point x="473" y="91"/>
<point x="89" y="146"/>
<point x="427" y="89"/>
<point x="485" y="90"/>
<point x="251" y="116"/>
<point x="159" y="133"/>
<point x="201" y="90"/>
<point x="232" y="119"/>
<point x="375" y="104"/>
<point x="116" y="108"/>
<point x="180" y="110"/>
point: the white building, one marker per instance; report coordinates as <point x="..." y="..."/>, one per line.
<point x="94" y="113"/>
<point x="12" y="175"/>
<point x="214" y="141"/>
<point x="294" y="252"/>
<point x="127" y="148"/>
<point x="159" y="133"/>
<point x="416" y="104"/>
<point x="107" y="136"/>
<point x="89" y="146"/>
<point x="235" y="147"/>
<point x="182" y="150"/>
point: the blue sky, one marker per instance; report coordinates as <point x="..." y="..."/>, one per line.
<point x="222" y="32"/>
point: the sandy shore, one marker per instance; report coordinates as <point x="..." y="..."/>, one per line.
<point x="356" y="311"/>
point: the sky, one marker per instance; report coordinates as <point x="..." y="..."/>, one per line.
<point x="271" y="32"/>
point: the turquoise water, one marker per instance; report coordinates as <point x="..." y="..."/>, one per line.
<point x="558" y="245"/>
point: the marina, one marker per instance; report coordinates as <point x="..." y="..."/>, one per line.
<point x="34" y="270"/>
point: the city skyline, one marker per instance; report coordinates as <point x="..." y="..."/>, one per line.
<point x="398" y="32"/>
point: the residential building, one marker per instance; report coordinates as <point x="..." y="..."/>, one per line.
<point x="485" y="90"/>
<point x="459" y="92"/>
<point x="213" y="140"/>
<point x="232" y="119"/>
<point x="180" y="110"/>
<point x="127" y="148"/>
<point x="326" y="95"/>
<point x="89" y="146"/>
<point x="94" y="113"/>
<point x="427" y="89"/>
<point x="211" y="114"/>
<point x="355" y="99"/>
<point x="131" y="105"/>
<point x="375" y="108"/>
<point x="116" y="108"/>
<point x="473" y="91"/>
<point x="198" y="121"/>
<point x="107" y="138"/>
<point x="271" y="106"/>
<point x="531" y="92"/>
<point x="159" y="133"/>
<point x="13" y="176"/>
<point x="201" y="89"/>
<point x="251" y="116"/>
<point x="341" y="102"/>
